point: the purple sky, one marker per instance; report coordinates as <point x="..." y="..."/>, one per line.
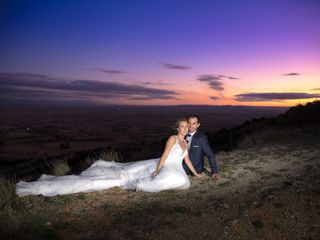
<point x="160" y="52"/>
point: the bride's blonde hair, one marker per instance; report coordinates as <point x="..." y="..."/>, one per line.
<point x="179" y="121"/>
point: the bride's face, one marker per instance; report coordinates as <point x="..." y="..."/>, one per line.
<point x="183" y="128"/>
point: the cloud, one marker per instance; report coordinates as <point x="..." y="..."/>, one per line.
<point x="213" y="81"/>
<point x="34" y="86"/>
<point x="152" y="97"/>
<point x="175" y="66"/>
<point x="233" y="78"/>
<point x="291" y="74"/>
<point x="252" y="97"/>
<point x="218" y="86"/>
<point x="159" y="83"/>
<point x="315" y="89"/>
<point x="214" y="98"/>
<point x="219" y="77"/>
<point x="109" y="71"/>
<point x="208" y="78"/>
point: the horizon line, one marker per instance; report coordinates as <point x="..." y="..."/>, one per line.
<point x="139" y="105"/>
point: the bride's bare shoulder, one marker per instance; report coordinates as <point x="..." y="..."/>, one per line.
<point x="171" y="139"/>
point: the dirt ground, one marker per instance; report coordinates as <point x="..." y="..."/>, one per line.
<point x="266" y="193"/>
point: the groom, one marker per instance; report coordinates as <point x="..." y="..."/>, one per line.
<point x="198" y="146"/>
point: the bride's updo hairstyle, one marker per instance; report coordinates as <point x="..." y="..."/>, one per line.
<point x="178" y="123"/>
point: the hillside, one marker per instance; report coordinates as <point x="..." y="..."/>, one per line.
<point x="291" y="124"/>
<point x="269" y="190"/>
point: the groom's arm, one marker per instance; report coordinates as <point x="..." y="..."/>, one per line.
<point x="209" y="153"/>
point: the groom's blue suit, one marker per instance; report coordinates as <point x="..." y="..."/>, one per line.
<point x="199" y="146"/>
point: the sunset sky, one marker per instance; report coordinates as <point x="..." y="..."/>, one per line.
<point x="163" y="52"/>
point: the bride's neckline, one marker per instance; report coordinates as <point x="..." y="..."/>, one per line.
<point x="180" y="144"/>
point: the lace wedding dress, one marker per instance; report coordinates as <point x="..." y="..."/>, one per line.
<point x="106" y="174"/>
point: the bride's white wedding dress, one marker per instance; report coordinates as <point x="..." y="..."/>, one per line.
<point x="105" y="174"/>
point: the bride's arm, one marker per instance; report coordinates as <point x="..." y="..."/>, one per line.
<point x="171" y="141"/>
<point x="190" y="166"/>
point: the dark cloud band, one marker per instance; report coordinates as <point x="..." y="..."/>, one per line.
<point x="215" y="82"/>
<point x="109" y="71"/>
<point x="34" y="86"/>
<point x="175" y="66"/>
<point x="291" y="74"/>
<point x="253" y="97"/>
<point x="214" y="98"/>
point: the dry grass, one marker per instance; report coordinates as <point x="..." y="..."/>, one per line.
<point x="22" y="222"/>
<point x="104" y="155"/>
<point x="279" y="135"/>
<point x="86" y="163"/>
<point x="7" y="193"/>
<point x="245" y="204"/>
<point x="60" y="168"/>
<point x="111" y="156"/>
<point x="18" y="216"/>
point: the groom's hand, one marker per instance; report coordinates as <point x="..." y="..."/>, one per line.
<point x="216" y="176"/>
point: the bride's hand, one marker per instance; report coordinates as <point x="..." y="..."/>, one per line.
<point x="155" y="173"/>
<point x="199" y="175"/>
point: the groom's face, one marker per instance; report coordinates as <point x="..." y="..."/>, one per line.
<point x="193" y="124"/>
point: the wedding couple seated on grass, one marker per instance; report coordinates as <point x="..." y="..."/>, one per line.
<point x="182" y="156"/>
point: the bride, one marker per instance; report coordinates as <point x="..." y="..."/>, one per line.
<point x="151" y="175"/>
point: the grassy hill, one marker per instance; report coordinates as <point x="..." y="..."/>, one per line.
<point x="270" y="190"/>
<point x="299" y="121"/>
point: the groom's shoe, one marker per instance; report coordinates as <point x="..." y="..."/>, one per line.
<point x="216" y="176"/>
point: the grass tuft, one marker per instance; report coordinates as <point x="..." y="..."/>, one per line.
<point x="111" y="156"/>
<point x="60" y="168"/>
<point x="84" y="164"/>
<point x="104" y="155"/>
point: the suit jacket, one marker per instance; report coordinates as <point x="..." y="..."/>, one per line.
<point x="199" y="147"/>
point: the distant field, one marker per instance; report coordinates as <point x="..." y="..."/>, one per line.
<point x="28" y="133"/>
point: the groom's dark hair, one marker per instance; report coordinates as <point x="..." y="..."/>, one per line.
<point x="194" y="116"/>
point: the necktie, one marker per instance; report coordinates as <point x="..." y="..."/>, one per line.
<point x="188" y="137"/>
